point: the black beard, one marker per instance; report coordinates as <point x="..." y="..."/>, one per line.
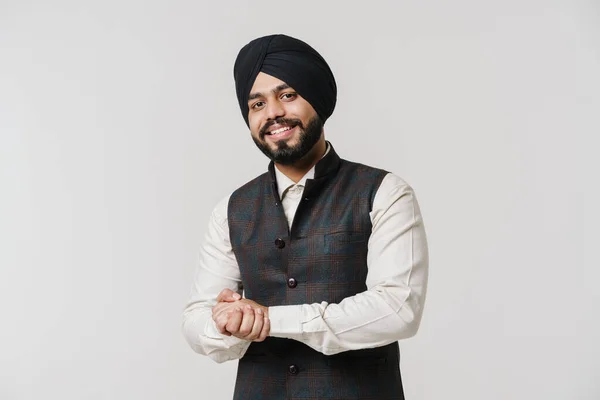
<point x="285" y="154"/>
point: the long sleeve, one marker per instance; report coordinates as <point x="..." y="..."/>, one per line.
<point x="391" y="307"/>
<point x="216" y="270"/>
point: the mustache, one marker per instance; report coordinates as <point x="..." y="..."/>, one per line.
<point x="291" y="122"/>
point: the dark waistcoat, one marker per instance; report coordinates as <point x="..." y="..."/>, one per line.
<point x="322" y="258"/>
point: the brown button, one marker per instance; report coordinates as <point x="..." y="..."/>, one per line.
<point x="293" y="369"/>
<point x="279" y="243"/>
<point x="292" y="283"/>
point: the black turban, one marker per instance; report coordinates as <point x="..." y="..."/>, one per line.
<point x="292" y="61"/>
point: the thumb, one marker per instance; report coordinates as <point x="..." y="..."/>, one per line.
<point x="228" y="295"/>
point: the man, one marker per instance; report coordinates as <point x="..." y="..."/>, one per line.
<point x="330" y="255"/>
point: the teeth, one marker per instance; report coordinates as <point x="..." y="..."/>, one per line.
<point x="280" y="130"/>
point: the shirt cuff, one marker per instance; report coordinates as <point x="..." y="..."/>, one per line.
<point x="285" y="320"/>
<point x="212" y="332"/>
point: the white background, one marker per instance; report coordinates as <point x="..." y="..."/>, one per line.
<point x="120" y="130"/>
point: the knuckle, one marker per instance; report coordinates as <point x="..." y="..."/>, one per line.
<point x="245" y="331"/>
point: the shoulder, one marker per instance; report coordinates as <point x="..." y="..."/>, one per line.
<point x="252" y="187"/>
<point x="395" y="196"/>
<point x="388" y="181"/>
<point x="394" y="182"/>
<point x="362" y="175"/>
<point x="360" y="168"/>
<point x="220" y="211"/>
<point x="392" y="188"/>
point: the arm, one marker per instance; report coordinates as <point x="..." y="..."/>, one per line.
<point x="216" y="269"/>
<point x="391" y="308"/>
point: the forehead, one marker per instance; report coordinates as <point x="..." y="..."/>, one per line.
<point x="265" y="83"/>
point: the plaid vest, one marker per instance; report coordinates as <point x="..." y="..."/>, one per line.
<point x="322" y="258"/>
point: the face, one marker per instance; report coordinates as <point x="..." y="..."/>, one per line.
<point x="284" y="126"/>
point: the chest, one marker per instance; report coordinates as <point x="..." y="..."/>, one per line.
<point x="321" y="255"/>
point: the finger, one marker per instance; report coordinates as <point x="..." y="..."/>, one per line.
<point x="223" y="294"/>
<point x="266" y="329"/>
<point x="221" y="307"/>
<point x="228" y="295"/>
<point x="258" y="324"/>
<point x="215" y="313"/>
<point x="222" y="318"/>
<point x="247" y="322"/>
<point x="234" y="321"/>
<point x="221" y="323"/>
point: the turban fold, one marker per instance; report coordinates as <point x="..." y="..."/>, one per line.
<point x="292" y="61"/>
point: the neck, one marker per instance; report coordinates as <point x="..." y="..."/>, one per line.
<point x="297" y="170"/>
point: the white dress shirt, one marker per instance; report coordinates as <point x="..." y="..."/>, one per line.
<point x="389" y="310"/>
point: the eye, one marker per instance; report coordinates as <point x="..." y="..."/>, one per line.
<point x="257" y="105"/>
<point x="288" y="96"/>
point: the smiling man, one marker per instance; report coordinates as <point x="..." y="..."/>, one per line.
<point x="312" y="272"/>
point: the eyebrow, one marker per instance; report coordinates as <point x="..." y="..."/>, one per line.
<point x="274" y="90"/>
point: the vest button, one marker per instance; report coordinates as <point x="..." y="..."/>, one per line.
<point x="293" y="369"/>
<point x="279" y="243"/>
<point x="292" y="283"/>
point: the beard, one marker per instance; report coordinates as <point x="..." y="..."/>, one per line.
<point x="283" y="153"/>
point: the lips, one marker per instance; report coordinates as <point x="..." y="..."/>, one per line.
<point x="280" y="130"/>
<point x="280" y="133"/>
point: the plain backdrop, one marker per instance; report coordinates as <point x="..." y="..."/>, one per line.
<point x="120" y="130"/>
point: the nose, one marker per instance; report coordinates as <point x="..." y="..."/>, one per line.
<point x="274" y="110"/>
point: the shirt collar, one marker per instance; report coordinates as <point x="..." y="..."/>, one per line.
<point x="284" y="183"/>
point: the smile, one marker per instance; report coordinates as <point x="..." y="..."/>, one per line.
<point x="280" y="130"/>
<point x="281" y="133"/>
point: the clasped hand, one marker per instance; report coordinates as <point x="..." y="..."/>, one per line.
<point x="242" y="318"/>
